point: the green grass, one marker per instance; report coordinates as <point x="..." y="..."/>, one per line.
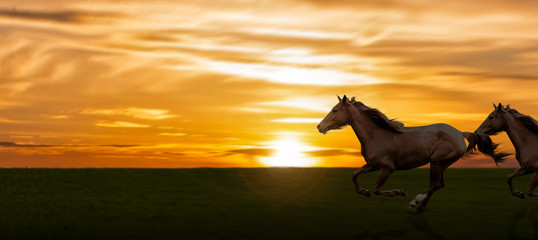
<point x="272" y="203"/>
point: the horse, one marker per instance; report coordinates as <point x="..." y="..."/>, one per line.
<point x="523" y="132"/>
<point x="387" y="145"/>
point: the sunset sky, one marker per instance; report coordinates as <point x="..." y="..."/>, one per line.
<point x="211" y="83"/>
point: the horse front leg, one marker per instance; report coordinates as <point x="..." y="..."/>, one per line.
<point x="534" y="183"/>
<point x="516" y="173"/>
<point x="384" y="174"/>
<point x="366" y="168"/>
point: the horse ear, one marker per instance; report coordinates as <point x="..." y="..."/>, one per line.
<point x="507" y="107"/>
<point x="500" y="107"/>
<point x="345" y="100"/>
<point x="494" y="106"/>
<point x="352" y="100"/>
<point x="339" y="98"/>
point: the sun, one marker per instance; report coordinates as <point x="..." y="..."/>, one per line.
<point x="289" y="151"/>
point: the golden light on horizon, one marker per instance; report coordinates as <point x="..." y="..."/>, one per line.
<point x="288" y="151"/>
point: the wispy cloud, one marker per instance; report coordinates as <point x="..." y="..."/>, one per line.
<point x="66" y="146"/>
<point x="297" y="120"/>
<point x="16" y="145"/>
<point x="135" y="112"/>
<point x="6" y="120"/>
<point x="121" y="124"/>
<point x="122" y="145"/>
<point x="298" y="33"/>
<point x="444" y="116"/>
<point x="291" y="75"/>
<point x="58" y="117"/>
<point x="69" y="16"/>
<point x="312" y="104"/>
<point x="174" y="134"/>
<point x="251" y="152"/>
<point x="333" y="152"/>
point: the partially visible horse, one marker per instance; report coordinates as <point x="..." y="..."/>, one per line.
<point x="523" y="132"/>
<point x="387" y="145"/>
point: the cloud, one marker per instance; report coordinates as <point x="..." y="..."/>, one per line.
<point x="135" y="112"/>
<point x="121" y="124"/>
<point x="311" y="104"/>
<point x="489" y="75"/>
<point x="66" y="16"/>
<point x="297" y="33"/>
<point x="18" y="145"/>
<point x="333" y="152"/>
<point x="57" y="16"/>
<point x="6" y="120"/>
<point x="250" y="152"/>
<point x="175" y="153"/>
<point x="58" y="117"/>
<point x="122" y="145"/>
<point x="297" y="120"/>
<point x="445" y="116"/>
<point x="176" y="134"/>
<point x="252" y="109"/>
<point x="290" y="75"/>
<point x="15" y="145"/>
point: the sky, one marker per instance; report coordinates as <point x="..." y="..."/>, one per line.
<point x="212" y="83"/>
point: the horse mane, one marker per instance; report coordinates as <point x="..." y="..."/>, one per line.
<point x="527" y="120"/>
<point x="380" y="119"/>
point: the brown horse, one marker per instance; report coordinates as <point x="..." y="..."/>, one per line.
<point x="523" y="132"/>
<point x="387" y="145"/>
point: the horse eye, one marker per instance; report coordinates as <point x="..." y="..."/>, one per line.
<point x="335" y="110"/>
<point x="490" y="118"/>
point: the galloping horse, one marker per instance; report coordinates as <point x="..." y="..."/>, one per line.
<point x="523" y="132"/>
<point x="387" y="145"/>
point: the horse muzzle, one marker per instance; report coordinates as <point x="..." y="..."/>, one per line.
<point x="322" y="129"/>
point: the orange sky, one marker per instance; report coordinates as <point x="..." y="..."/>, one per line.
<point x="210" y="83"/>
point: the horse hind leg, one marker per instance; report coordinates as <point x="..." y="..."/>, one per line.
<point x="516" y="173"/>
<point x="418" y="204"/>
<point x="384" y="174"/>
<point x="534" y="183"/>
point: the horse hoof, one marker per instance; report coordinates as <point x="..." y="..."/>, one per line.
<point x="364" y="192"/>
<point x="412" y="204"/>
<point x="519" y="195"/>
<point x="404" y="193"/>
<point x="417" y="210"/>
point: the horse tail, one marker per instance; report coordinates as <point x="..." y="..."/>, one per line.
<point x="483" y="143"/>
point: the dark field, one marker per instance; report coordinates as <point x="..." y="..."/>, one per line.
<point x="273" y="203"/>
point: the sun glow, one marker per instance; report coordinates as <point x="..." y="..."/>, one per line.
<point x="288" y="152"/>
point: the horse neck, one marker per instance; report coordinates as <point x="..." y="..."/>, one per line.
<point x="364" y="127"/>
<point x="516" y="131"/>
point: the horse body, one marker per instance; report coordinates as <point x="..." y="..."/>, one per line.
<point x="416" y="146"/>
<point x="432" y="143"/>
<point x="525" y="143"/>
<point x="387" y="145"/>
<point x="523" y="133"/>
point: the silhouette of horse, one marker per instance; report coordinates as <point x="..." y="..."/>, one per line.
<point x="523" y="132"/>
<point x="387" y="145"/>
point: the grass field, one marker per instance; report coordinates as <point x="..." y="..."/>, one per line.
<point x="272" y="203"/>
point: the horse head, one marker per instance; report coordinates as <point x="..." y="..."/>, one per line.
<point x="495" y="122"/>
<point x="338" y="117"/>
